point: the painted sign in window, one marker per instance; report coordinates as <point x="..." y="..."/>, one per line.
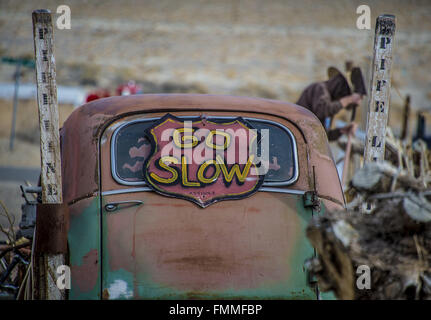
<point x="131" y="147"/>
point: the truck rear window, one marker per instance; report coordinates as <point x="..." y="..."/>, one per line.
<point x="130" y="147"/>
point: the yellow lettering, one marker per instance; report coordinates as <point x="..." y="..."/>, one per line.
<point x="184" y="177"/>
<point x="209" y="140"/>
<point x="188" y="135"/>
<point x="163" y="162"/>
<point x="235" y="170"/>
<point x="202" y="168"/>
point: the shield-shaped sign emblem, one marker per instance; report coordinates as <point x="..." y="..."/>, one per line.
<point x="203" y="161"/>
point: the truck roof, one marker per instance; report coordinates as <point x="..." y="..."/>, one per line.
<point x="81" y="132"/>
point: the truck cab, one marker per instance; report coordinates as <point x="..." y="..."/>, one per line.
<point x="144" y="225"/>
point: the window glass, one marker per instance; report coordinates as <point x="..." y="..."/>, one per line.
<point x="281" y="157"/>
<point x="131" y="147"/>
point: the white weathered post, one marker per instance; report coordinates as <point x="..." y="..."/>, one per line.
<point x="49" y="141"/>
<point x="378" y="106"/>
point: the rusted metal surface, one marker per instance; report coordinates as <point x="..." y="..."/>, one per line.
<point x="172" y="248"/>
<point x="82" y="130"/>
<point x="51" y="228"/>
<point x="175" y="249"/>
<point x="84" y="249"/>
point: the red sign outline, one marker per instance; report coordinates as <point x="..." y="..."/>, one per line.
<point x="236" y="176"/>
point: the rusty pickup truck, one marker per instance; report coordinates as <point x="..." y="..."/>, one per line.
<point x="147" y="222"/>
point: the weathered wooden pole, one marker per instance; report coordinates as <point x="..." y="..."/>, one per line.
<point x="15" y="105"/>
<point x="406" y="117"/>
<point x="47" y="261"/>
<point x="378" y="106"/>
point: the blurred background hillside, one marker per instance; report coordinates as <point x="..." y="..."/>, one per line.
<point x="271" y="49"/>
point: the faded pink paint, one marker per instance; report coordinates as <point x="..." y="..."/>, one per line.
<point x="205" y="249"/>
<point x="239" y="244"/>
<point x="135" y="168"/>
<point x="203" y="194"/>
<point x="142" y="151"/>
<point x="81" y="133"/>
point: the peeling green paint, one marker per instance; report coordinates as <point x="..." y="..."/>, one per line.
<point x="140" y="285"/>
<point x="84" y="236"/>
<point x="119" y="284"/>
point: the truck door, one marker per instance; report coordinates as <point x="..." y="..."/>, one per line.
<point x="157" y="246"/>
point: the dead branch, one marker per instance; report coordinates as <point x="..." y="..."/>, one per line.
<point x="9" y="232"/>
<point x="393" y="241"/>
